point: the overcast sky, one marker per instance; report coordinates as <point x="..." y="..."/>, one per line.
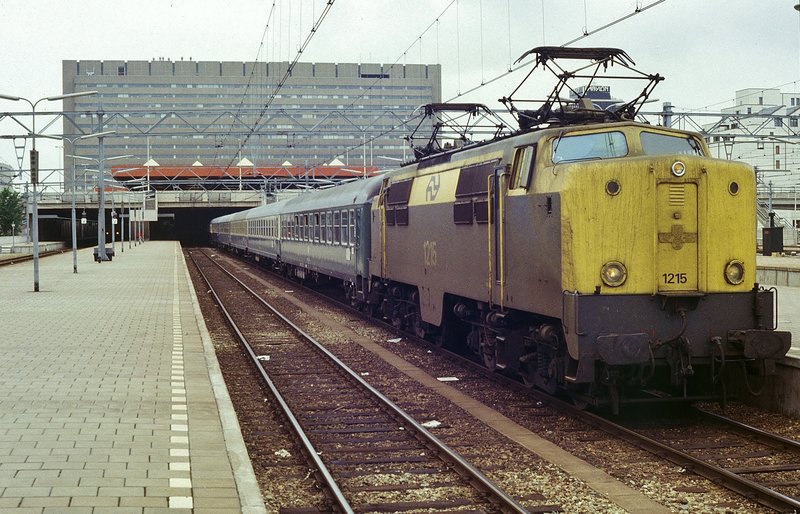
<point x="706" y="49"/>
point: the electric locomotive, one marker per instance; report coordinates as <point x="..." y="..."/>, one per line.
<point x="585" y="252"/>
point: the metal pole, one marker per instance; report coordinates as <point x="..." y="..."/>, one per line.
<point x="113" y="225"/>
<point x="35" y="207"/>
<point x="122" y="225"/>
<point x="130" y="227"/>
<point x="74" y="227"/>
<point x="101" y="197"/>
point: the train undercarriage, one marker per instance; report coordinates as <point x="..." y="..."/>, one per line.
<point x="641" y="368"/>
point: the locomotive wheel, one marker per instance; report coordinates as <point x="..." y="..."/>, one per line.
<point x="579" y="396"/>
<point x="488" y="352"/>
<point x="489" y="358"/>
<point x="419" y="327"/>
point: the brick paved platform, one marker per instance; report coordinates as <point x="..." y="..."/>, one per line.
<point x="110" y="393"/>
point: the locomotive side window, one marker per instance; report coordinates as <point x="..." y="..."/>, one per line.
<point x="662" y="144"/>
<point x="522" y="168"/>
<point x="397" y="202"/>
<point x="603" y="145"/>
<point x="472" y="193"/>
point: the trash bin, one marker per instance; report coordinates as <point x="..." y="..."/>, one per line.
<point x="772" y="240"/>
<point x="109" y="254"/>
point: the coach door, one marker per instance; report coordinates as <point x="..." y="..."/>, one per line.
<point x="677" y="258"/>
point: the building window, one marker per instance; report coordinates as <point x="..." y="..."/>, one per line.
<point x="760" y="100"/>
<point x="777" y="149"/>
<point x="778" y="122"/>
<point x="793" y="122"/>
<point x="749" y="110"/>
<point x="777" y="164"/>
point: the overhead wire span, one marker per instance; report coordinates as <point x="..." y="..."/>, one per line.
<point x="533" y="60"/>
<point x="285" y="77"/>
<point x="434" y="23"/>
<point x="252" y="71"/>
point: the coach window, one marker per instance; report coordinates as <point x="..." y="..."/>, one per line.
<point x="522" y="168"/>
<point x="316" y="227"/>
<point x="345" y="229"/>
<point x="329" y="226"/>
<point x="352" y="227"/>
<point x="337" y="227"/>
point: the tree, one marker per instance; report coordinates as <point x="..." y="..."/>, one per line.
<point x="12" y="210"/>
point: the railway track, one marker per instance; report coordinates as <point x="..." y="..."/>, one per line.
<point x="760" y="465"/>
<point x="27" y="257"/>
<point x="727" y="452"/>
<point x="350" y="432"/>
<point x="751" y="452"/>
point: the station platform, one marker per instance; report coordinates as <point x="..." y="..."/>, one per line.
<point x="778" y="270"/>
<point x="110" y="392"/>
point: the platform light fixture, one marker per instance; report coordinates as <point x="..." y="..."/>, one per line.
<point x="34" y="160"/>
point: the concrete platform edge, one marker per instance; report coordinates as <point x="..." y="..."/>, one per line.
<point x="249" y="490"/>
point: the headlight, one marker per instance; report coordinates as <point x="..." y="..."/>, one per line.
<point x="614" y="273"/>
<point x="734" y="272"/>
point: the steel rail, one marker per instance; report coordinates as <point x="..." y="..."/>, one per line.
<point x="761" y="435"/>
<point x="505" y="502"/>
<point x="312" y="452"/>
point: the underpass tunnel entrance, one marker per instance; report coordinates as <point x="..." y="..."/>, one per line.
<point x="189" y="226"/>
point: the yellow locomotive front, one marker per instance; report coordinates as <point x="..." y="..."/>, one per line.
<point x="657" y="259"/>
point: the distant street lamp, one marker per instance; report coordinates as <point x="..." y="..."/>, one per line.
<point x="243" y="162"/>
<point x="150" y="163"/>
<point x="34" y="164"/>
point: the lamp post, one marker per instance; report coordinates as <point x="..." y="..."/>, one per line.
<point x="34" y="164"/>
<point x="74" y="227"/>
<point x="101" y="201"/>
<point x="72" y="212"/>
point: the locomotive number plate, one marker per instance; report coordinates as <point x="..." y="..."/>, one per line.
<point x="429" y="250"/>
<point x="674" y="278"/>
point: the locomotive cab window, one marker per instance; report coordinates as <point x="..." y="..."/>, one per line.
<point x="522" y="168"/>
<point x="603" y="145"/>
<point x="664" y="144"/>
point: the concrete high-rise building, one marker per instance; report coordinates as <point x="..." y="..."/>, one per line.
<point x="185" y="112"/>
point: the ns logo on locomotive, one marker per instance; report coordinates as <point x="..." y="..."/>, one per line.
<point x="586" y="252"/>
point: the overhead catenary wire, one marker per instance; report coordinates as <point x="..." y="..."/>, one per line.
<point x="433" y="24"/>
<point x="252" y="70"/>
<point x="286" y="75"/>
<point x="638" y="10"/>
